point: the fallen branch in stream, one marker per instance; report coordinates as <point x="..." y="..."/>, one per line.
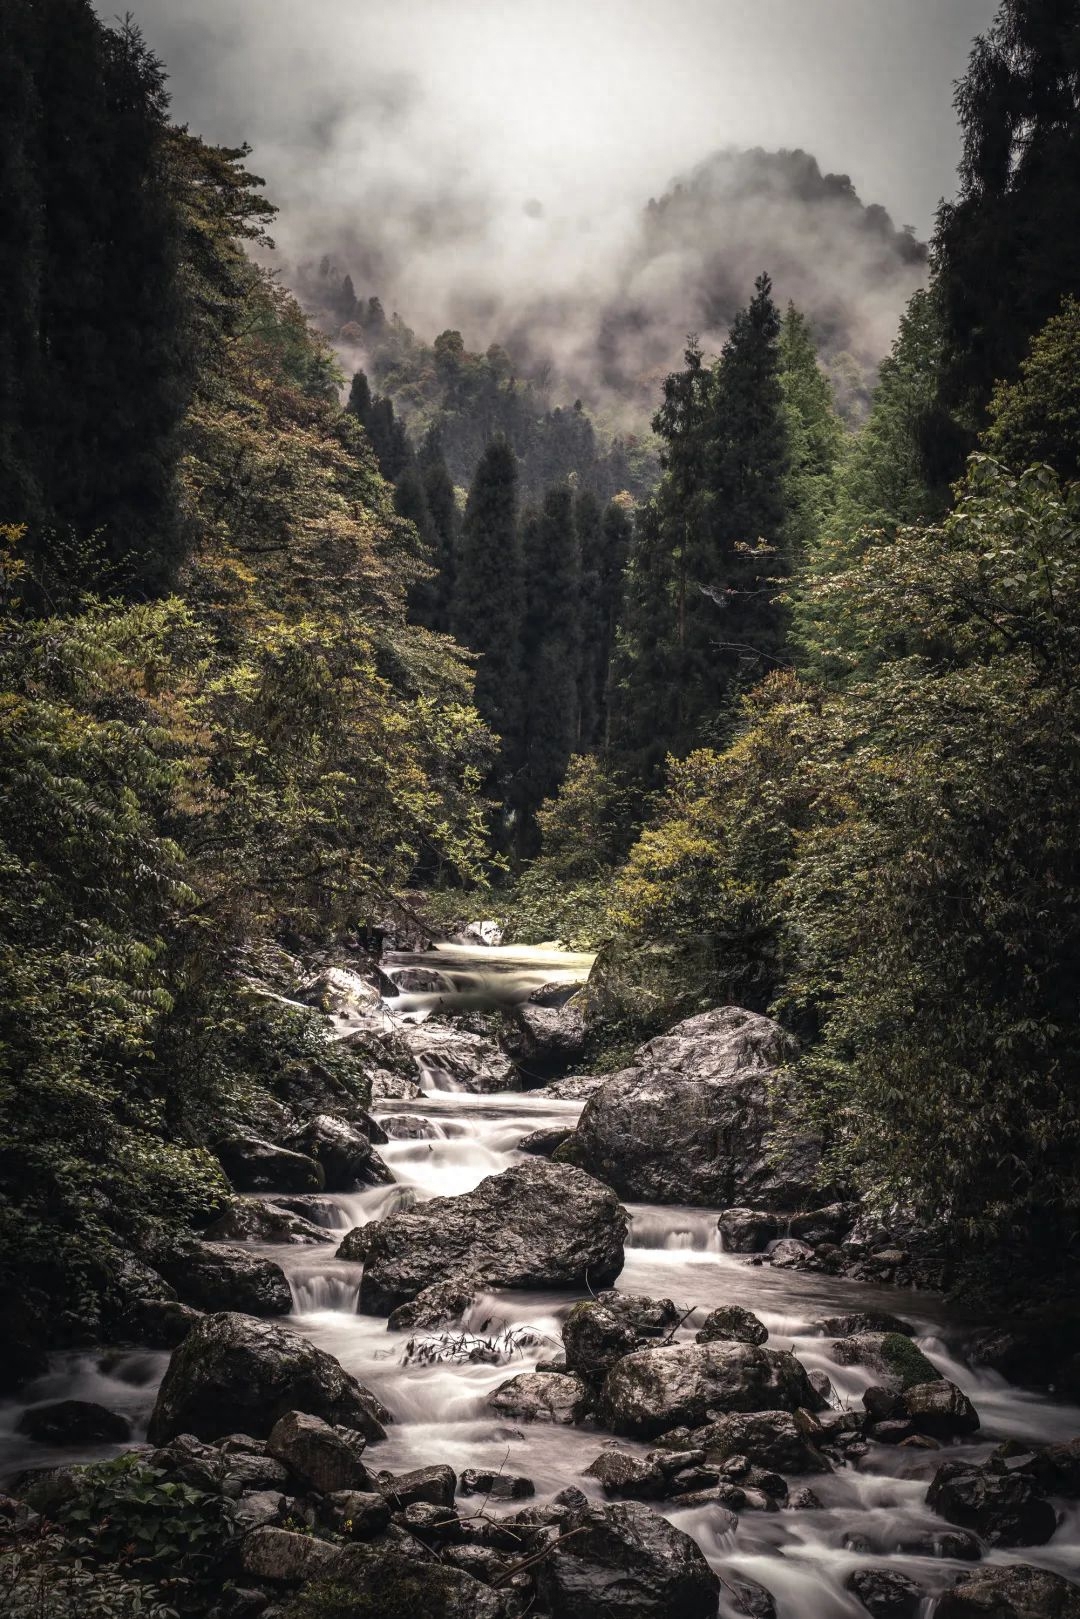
<point x="537" y="1557"/>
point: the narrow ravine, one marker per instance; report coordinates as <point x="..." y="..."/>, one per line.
<point x="443" y="1143"/>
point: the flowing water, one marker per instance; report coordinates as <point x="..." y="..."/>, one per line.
<point x="802" y="1556"/>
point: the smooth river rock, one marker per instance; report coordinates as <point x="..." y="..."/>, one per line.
<point x="690" y="1122"/>
<point x="653" y="1390"/>
<point x="233" y="1372"/>
<point x="626" y="1560"/>
<point x="535" y="1225"/>
<point x="1016" y="1592"/>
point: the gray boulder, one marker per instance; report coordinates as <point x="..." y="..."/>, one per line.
<point x="535" y="1225"/>
<point x="732" y="1322"/>
<point x="252" y="1220"/>
<point x="1005" y="1509"/>
<point x="626" y="1477"/>
<point x="1016" y="1591"/>
<point x="623" y="1559"/>
<point x="212" y="1276"/>
<point x="893" y="1358"/>
<point x="233" y="1371"/>
<point x="939" y="1409"/>
<point x="885" y="1593"/>
<point x="789" y="1253"/>
<point x="691" y="1121"/>
<point x="653" y="1390"/>
<point x="747" y="1231"/>
<point x="253" y="1165"/>
<point x="344" y="1153"/>
<point x="772" y="1439"/>
<point x="321" y="1457"/>
<point x="541" y="1397"/>
<point x="471" y="1062"/>
<point x="600" y="1331"/>
<point x="543" y="1143"/>
<point x="435" y="1485"/>
<point x="548" y="1036"/>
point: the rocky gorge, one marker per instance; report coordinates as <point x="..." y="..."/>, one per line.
<point x="487" y="1342"/>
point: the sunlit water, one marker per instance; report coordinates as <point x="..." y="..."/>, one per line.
<point x="802" y="1557"/>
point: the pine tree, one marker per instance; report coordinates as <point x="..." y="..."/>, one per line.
<point x="486" y="610"/>
<point x="1008" y="249"/>
<point x="441" y="498"/>
<point x="387" y="434"/>
<point x="551" y="652"/>
<point x="815" y="434"/>
<point x="603" y="541"/>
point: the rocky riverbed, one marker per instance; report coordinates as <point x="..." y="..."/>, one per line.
<point x="589" y="1349"/>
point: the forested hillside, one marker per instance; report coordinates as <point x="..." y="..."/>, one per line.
<point x="316" y="638"/>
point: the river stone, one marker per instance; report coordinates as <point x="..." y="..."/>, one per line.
<point x="572" y="1088"/>
<point x="623" y="1559"/>
<point x="541" y="1397"/>
<point x="1006" y="1509"/>
<point x="357" y="1514"/>
<point x="441" y="1305"/>
<point x="346" y="1156"/>
<point x="544" y="1142"/>
<point x="286" y="1558"/>
<point x="653" y="1390"/>
<point x="747" y="1231"/>
<point x="212" y="1276"/>
<point x="1056" y="1468"/>
<point x="535" y="1225"/>
<point x="496" y="1485"/>
<point x="1017" y="1591"/>
<point x="860" y="1322"/>
<point x="788" y="1253"/>
<point x="732" y="1322"/>
<point x="889" y="1355"/>
<point x="690" y="1122"/>
<point x="435" y="1485"/>
<point x="73" y="1422"/>
<point x="600" y="1331"/>
<point x="232" y="1370"/>
<point x="338" y="989"/>
<point x="772" y="1439"/>
<point x="321" y="1457"/>
<point x="939" y="1409"/>
<point x="377" y="1579"/>
<point x="252" y="1220"/>
<point x="830" y="1224"/>
<point x="886" y="1593"/>
<point x="222" y="1469"/>
<point x="623" y="1476"/>
<point x="547" y="1035"/>
<point x="258" y="1166"/>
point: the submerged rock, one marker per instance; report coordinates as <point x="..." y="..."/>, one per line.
<point x="73" y="1422"/>
<point x="653" y="1390"/>
<point x="232" y="1371"/>
<point x="535" y="1225"/>
<point x="544" y="1142"/>
<point x="691" y="1121"/>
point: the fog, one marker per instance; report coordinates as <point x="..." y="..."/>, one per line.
<point x="486" y="164"/>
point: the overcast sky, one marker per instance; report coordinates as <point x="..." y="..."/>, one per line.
<point x="513" y="140"/>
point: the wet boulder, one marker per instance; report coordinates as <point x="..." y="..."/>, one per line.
<point x="443" y="1304"/>
<point x="286" y="1558"/>
<point x="829" y="1224"/>
<point x="541" y="1397"/>
<point x="546" y="1036"/>
<point x="1016" y="1591"/>
<point x="535" y="1225"/>
<point x="73" y="1422"/>
<point x="886" y="1593"/>
<point x="356" y="1514"/>
<point x="322" y="1457"/>
<point x="601" y="1330"/>
<point x="625" y="1477"/>
<point x="234" y="1467"/>
<point x="772" y="1439"/>
<point x="788" y="1253"/>
<point x="339" y="990"/>
<point x="691" y="1121"/>
<point x="543" y="1143"/>
<point x="732" y="1322"/>
<point x="1005" y="1509"/>
<point x="344" y="1154"/>
<point x="939" y="1409"/>
<point x="653" y="1390"/>
<point x="1056" y="1468"/>
<point x="380" y="1578"/>
<point x="435" y="1485"/>
<point x="495" y="1485"/>
<point x="214" y="1276"/>
<point x="625" y="1559"/>
<point x="253" y="1165"/>
<point x="252" y="1220"/>
<point x="863" y="1321"/>
<point x="895" y="1361"/>
<point x="233" y="1371"/>
<point x="572" y="1088"/>
<point x="747" y="1231"/>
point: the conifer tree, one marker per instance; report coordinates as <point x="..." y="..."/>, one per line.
<point x="386" y="432"/>
<point x="551" y="652"/>
<point x="815" y="434"/>
<point x="486" y="611"/>
<point x="441" y="498"/>
<point x="603" y="540"/>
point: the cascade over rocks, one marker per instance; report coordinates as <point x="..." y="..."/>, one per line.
<point x="653" y="1390"/>
<point x="535" y="1225"/>
<point x="235" y="1372"/>
<point x="691" y="1122"/>
<point x="471" y="1062"/>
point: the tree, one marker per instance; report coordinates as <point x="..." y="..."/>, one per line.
<point x="1008" y="248"/>
<point x="604" y="543"/>
<point x="441" y="498"/>
<point x="1037" y="418"/>
<point x="488" y="600"/>
<point x="551" y="653"/>
<point x="815" y="435"/>
<point x="387" y="434"/>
